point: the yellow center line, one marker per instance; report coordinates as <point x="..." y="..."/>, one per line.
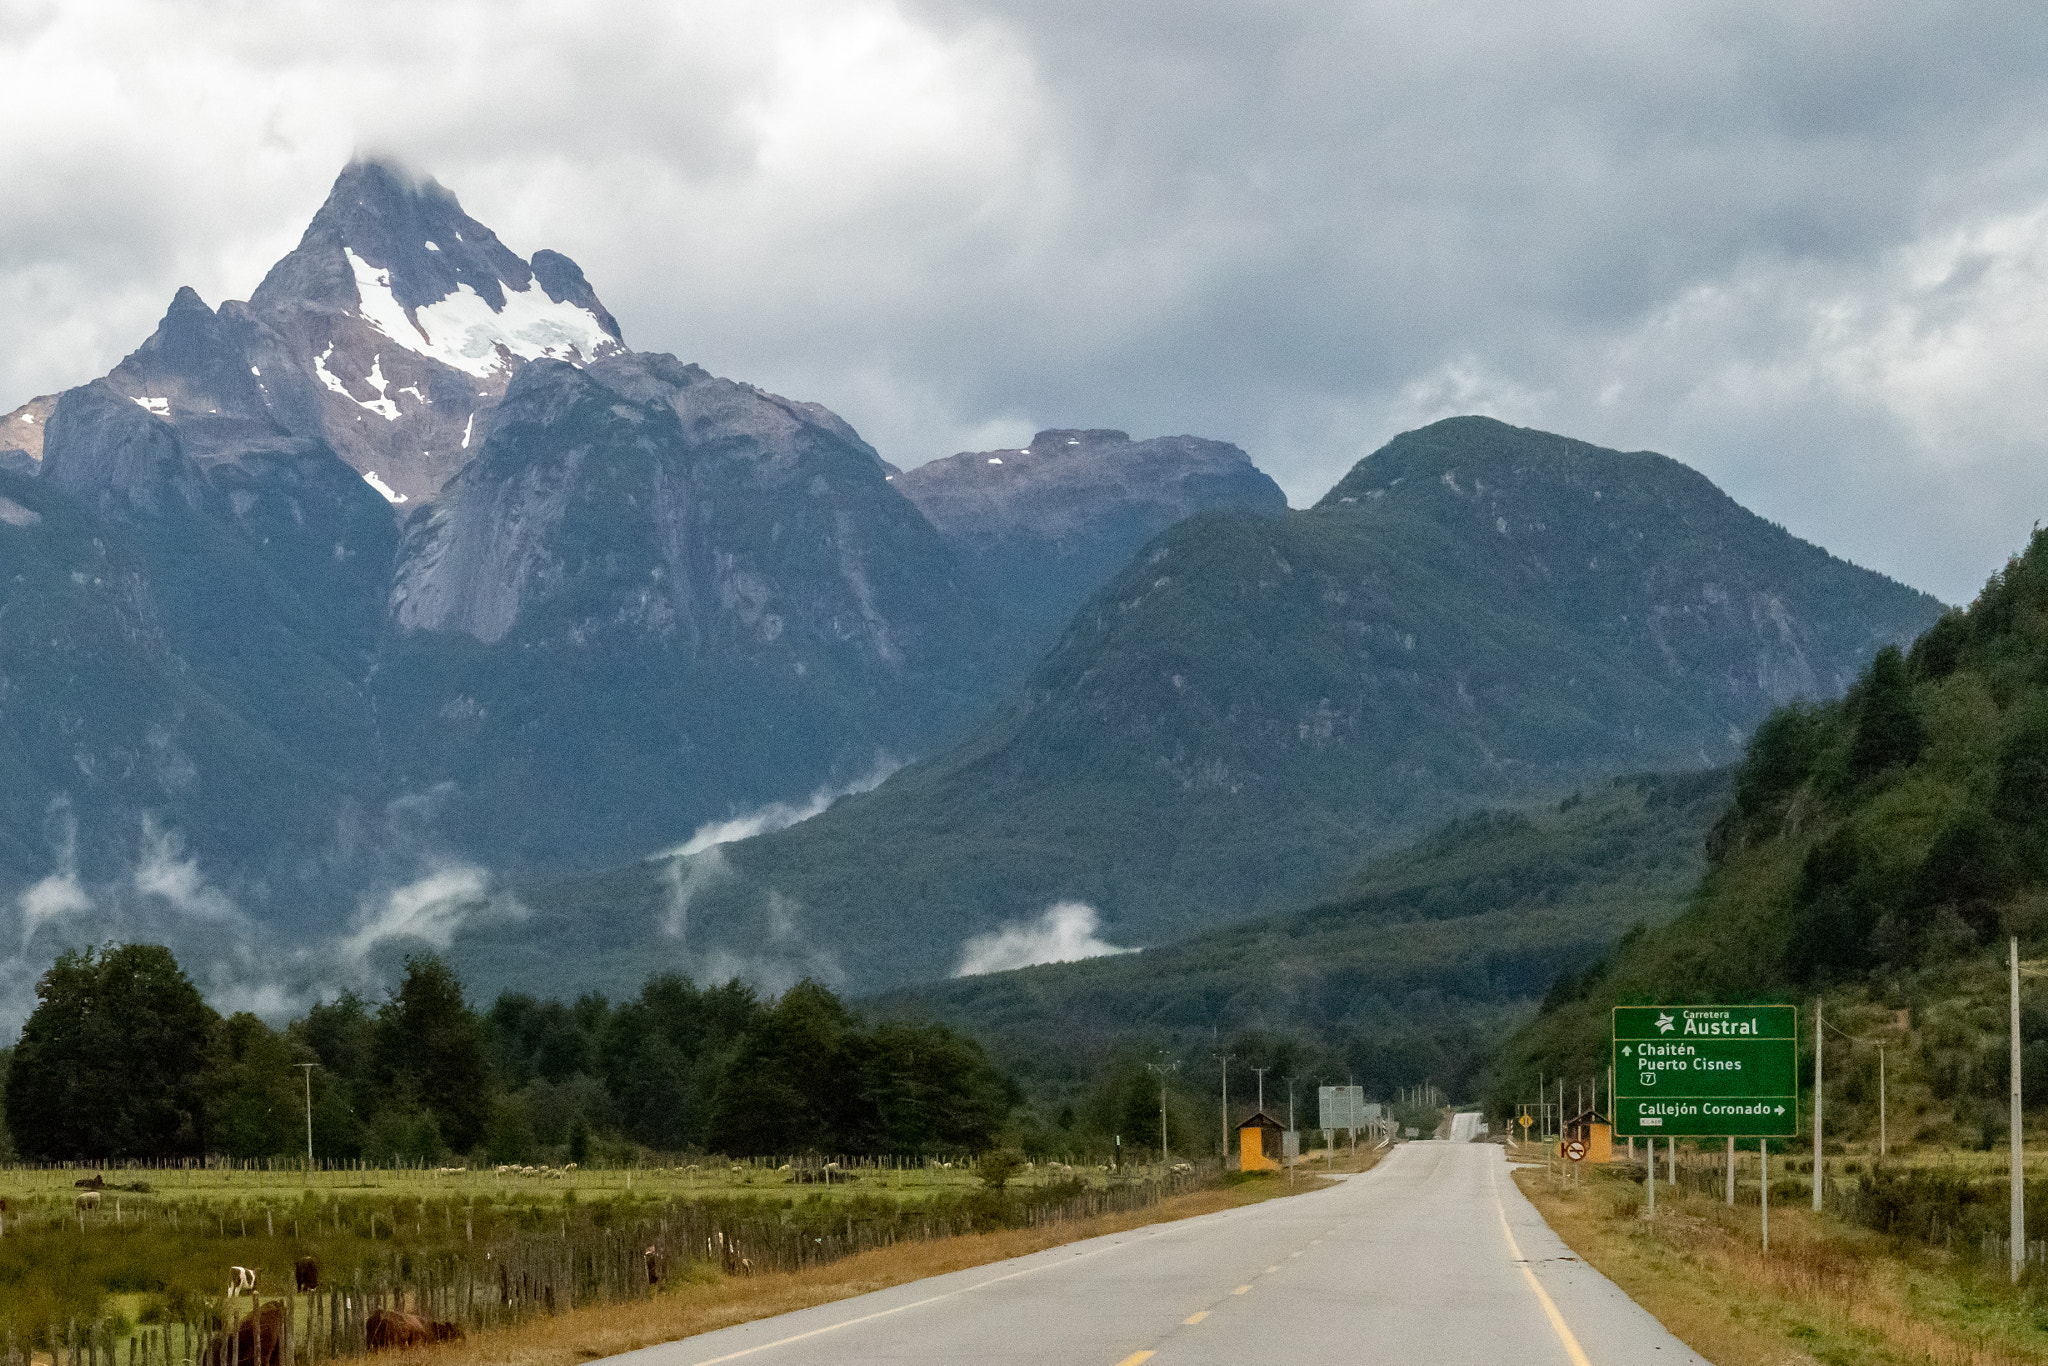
<point x="1557" y="1323"/>
<point x="1134" y="1358"/>
<point x="1241" y="1290"/>
<point x="1196" y="1317"/>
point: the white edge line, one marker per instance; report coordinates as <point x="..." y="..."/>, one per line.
<point x="914" y="1304"/>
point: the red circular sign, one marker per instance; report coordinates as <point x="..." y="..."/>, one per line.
<point x="1575" y="1150"/>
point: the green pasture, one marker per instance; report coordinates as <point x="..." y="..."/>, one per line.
<point x="156" y="1245"/>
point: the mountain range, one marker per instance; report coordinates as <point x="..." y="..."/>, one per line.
<point x="410" y="566"/>
<point x="410" y="559"/>
<point x="1476" y="615"/>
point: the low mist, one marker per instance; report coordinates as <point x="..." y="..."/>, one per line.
<point x="1066" y="933"/>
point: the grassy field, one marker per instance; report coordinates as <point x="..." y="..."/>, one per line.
<point x="147" y="1262"/>
<point x="1828" y="1291"/>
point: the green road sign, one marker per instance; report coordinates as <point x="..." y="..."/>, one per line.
<point x="1706" y="1071"/>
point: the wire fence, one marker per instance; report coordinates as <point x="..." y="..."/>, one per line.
<point x="581" y="1256"/>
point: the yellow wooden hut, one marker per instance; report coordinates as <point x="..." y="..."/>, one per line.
<point x="1260" y="1142"/>
<point x="1592" y="1129"/>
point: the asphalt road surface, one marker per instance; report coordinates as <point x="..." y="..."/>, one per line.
<point x="1432" y="1257"/>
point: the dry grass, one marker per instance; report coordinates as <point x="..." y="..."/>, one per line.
<point x="1826" y="1293"/>
<point x="713" y="1302"/>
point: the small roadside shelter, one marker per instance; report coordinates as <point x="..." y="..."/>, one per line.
<point x="1591" y="1128"/>
<point x="1260" y="1142"/>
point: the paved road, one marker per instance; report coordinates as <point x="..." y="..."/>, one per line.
<point x="1432" y="1257"/>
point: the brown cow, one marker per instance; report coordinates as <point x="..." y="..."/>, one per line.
<point x="389" y="1328"/>
<point x="92" y="1183"/>
<point x="307" y="1273"/>
<point x="256" y="1341"/>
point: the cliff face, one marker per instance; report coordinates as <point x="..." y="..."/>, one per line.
<point x="656" y="594"/>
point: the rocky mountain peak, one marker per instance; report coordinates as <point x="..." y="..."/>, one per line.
<point x="1069" y="475"/>
<point x="399" y="253"/>
<point x="1044" y="525"/>
<point x="386" y="336"/>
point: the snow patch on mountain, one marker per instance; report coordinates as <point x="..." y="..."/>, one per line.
<point x="464" y="331"/>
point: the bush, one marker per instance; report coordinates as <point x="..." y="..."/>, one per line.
<point x="1926" y="1204"/>
<point x="997" y="1166"/>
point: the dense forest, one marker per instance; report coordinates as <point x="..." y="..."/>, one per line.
<point x="123" y="1059"/>
<point x="1877" y="855"/>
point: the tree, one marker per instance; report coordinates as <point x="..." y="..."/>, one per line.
<point x="1889" y="731"/>
<point x="926" y="1089"/>
<point x="789" y="1083"/>
<point x="113" y="1062"/>
<point x="429" y="1051"/>
<point x="663" y="1054"/>
<point x="258" y="1104"/>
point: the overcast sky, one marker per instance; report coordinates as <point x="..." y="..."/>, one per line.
<point x="1801" y="247"/>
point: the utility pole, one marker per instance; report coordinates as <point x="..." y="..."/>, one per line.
<point x="1162" y="1071"/>
<point x="2019" y="1187"/>
<point x="309" y="1066"/>
<point x="1260" y="1073"/>
<point x="1224" y="1059"/>
<point x="1880" y="1102"/>
<point x="1819" y="1161"/>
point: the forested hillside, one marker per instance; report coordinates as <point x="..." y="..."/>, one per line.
<point x="1877" y="853"/>
<point x="1407" y="970"/>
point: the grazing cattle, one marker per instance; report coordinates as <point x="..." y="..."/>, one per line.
<point x="390" y="1328"/>
<point x="307" y="1274"/>
<point x="92" y="1183"/>
<point x="257" y="1340"/>
<point x="241" y="1281"/>
<point x="89" y="1200"/>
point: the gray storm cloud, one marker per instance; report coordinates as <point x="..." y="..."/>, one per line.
<point x="1796" y="245"/>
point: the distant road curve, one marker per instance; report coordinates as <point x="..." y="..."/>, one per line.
<point x="1433" y="1256"/>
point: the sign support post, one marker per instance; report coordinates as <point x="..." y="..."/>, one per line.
<point x="1820" y="1165"/>
<point x="1710" y="1072"/>
<point x="1763" y="1174"/>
